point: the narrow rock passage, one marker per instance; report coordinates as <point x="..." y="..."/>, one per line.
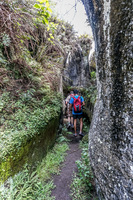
<point x="63" y="181"/>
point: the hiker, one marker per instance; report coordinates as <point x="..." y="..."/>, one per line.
<point x="69" y="113"/>
<point x="76" y="104"/>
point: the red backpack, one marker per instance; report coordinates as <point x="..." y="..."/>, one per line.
<point x="77" y="105"/>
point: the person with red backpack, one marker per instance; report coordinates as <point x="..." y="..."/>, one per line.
<point x="76" y="104"/>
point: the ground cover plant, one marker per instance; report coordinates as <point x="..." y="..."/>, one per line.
<point x="38" y="184"/>
<point x="82" y="187"/>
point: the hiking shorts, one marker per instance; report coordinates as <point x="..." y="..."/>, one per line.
<point x="77" y="116"/>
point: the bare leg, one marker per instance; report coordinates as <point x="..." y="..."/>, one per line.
<point x="69" y="120"/>
<point x="75" y="122"/>
<point x="72" y="120"/>
<point x="81" y="125"/>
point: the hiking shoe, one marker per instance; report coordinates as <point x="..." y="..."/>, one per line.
<point x="69" y="125"/>
<point x="75" y="134"/>
<point x="81" y="134"/>
<point x="72" y="126"/>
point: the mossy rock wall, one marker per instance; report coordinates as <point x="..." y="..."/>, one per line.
<point x="31" y="153"/>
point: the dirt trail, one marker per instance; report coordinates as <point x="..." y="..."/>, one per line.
<point x="63" y="181"/>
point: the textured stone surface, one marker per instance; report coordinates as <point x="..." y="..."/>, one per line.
<point x="111" y="134"/>
<point x="31" y="152"/>
<point x="76" y="71"/>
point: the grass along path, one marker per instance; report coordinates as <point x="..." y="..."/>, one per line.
<point x="63" y="181"/>
<point x="38" y="184"/>
<point x="64" y="174"/>
<point x="75" y="181"/>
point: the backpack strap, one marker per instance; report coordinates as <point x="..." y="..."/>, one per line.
<point x="76" y="98"/>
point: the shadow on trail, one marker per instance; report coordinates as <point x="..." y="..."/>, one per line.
<point x="74" y="139"/>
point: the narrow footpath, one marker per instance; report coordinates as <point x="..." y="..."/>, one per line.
<point x="63" y="181"/>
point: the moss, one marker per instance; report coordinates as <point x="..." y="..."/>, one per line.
<point x="85" y="139"/>
<point x="31" y="153"/>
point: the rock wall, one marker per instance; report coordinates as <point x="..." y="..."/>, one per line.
<point x="31" y="152"/>
<point x="76" y="71"/>
<point x="111" y="135"/>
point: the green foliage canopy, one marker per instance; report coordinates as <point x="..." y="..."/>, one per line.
<point x="44" y="15"/>
<point x="44" y="10"/>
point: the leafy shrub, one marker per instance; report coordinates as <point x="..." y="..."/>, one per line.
<point x="84" y="169"/>
<point x="93" y="74"/>
<point x="26" y="186"/>
<point x="5" y="39"/>
<point x="90" y="93"/>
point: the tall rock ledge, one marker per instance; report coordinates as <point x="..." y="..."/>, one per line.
<point x="111" y="134"/>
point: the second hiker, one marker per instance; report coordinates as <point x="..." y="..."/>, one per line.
<point x="69" y="113"/>
<point x="76" y="103"/>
